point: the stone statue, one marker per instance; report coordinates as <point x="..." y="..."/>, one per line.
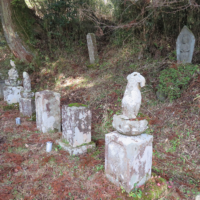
<point x="27" y="86"/>
<point x="26" y="82"/>
<point x="13" y="76"/>
<point x="132" y="96"/>
<point x="185" y="45"/>
<point x="12" y="88"/>
<point x="125" y="124"/>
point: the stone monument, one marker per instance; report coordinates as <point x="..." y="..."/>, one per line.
<point x="48" y="111"/>
<point x="2" y="84"/>
<point x="12" y="88"/>
<point x="76" y="129"/>
<point x="185" y="45"/>
<point x="128" y="151"/>
<point x="27" y="102"/>
<point x="92" y="48"/>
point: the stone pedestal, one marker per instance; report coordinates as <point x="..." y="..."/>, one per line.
<point x="76" y="129"/>
<point x="2" y="84"/>
<point x="128" y="159"/>
<point x="27" y="106"/>
<point x="129" y="127"/>
<point x="76" y="125"/>
<point x="12" y="94"/>
<point x="92" y="47"/>
<point x="48" y="111"/>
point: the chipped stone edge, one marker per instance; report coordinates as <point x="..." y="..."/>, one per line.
<point x="75" y="150"/>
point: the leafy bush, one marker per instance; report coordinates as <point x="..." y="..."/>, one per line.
<point x="174" y="80"/>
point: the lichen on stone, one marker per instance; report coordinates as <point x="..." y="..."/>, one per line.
<point x="77" y="105"/>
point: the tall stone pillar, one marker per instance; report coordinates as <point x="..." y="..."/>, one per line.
<point x="27" y="102"/>
<point x="92" y="48"/>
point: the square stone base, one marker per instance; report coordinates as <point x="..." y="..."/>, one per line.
<point x="27" y="106"/>
<point x="12" y="94"/>
<point x="128" y="159"/>
<point x="75" y="150"/>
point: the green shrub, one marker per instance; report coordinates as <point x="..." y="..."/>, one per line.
<point x="173" y="81"/>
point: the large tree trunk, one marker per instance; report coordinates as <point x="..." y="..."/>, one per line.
<point x="12" y="38"/>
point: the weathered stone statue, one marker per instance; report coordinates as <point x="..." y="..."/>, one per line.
<point x="130" y="107"/>
<point x="132" y="96"/>
<point x="27" y="102"/>
<point x="128" y="150"/>
<point x="12" y="89"/>
<point x="185" y="46"/>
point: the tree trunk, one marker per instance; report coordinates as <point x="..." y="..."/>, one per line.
<point x="11" y="36"/>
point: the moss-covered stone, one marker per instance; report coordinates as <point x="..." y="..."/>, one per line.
<point x="153" y="188"/>
<point x="77" y="105"/>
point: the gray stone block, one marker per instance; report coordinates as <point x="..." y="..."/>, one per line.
<point x="76" y="125"/>
<point x="128" y="159"/>
<point x="75" y="150"/>
<point x="12" y="94"/>
<point x="47" y="105"/>
<point x="27" y="106"/>
<point x="92" y="47"/>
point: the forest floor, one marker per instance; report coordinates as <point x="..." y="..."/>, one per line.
<point x="28" y="172"/>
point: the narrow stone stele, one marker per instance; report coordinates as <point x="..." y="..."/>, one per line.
<point x="12" y="88"/>
<point x="27" y="102"/>
<point x="92" y="48"/>
<point x="48" y="111"/>
<point x="2" y="84"/>
<point x="128" y="159"/>
<point x="185" y="45"/>
<point x="128" y="152"/>
<point x="76" y="129"/>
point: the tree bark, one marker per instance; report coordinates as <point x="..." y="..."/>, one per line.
<point x="13" y="40"/>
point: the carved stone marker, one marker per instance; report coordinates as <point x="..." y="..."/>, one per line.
<point x="2" y="84"/>
<point x="128" y="160"/>
<point x="76" y="129"/>
<point x="92" y="47"/>
<point x="27" y="103"/>
<point x="128" y="157"/>
<point x="12" y="89"/>
<point x="48" y="111"/>
<point x="185" y="45"/>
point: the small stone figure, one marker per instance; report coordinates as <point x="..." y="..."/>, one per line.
<point x="130" y="107"/>
<point x="12" y="88"/>
<point x="27" y="103"/>
<point x="132" y="96"/>
<point x="13" y="76"/>
<point x="185" y="46"/>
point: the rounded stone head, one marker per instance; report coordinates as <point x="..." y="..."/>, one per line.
<point x="12" y="63"/>
<point x="136" y="78"/>
<point x="25" y="75"/>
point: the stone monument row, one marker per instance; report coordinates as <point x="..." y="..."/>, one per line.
<point x="185" y="45"/>
<point x="128" y="150"/>
<point x="92" y="47"/>
<point x="12" y="88"/>
<point x="27" y="102"/>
